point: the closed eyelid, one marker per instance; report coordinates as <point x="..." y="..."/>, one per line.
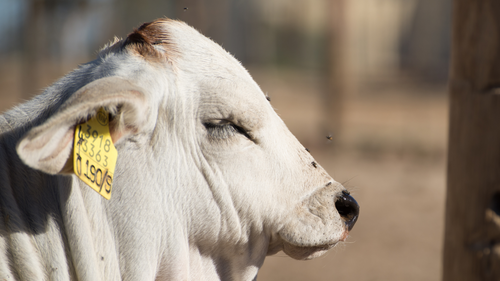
<point x="222" y="129"/>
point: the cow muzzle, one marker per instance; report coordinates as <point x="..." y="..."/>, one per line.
<point x="319" y="222"/>
<point x="348" y="209"/>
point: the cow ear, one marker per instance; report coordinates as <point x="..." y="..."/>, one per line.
<point x="48" y="146"/>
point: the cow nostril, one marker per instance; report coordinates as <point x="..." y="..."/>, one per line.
<point x="348" y="209"/>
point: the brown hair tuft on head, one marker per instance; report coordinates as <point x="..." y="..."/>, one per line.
<point x="143" y="39"/>
<point x="136" y="37"/>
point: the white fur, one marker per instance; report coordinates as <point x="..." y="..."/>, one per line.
<point x="188" y="203"/>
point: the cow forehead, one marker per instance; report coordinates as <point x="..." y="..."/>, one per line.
<point x="226" y="90"/>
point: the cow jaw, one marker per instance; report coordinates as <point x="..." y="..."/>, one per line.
<point x="315" y="225"/>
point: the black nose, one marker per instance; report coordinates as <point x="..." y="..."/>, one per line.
<point x="348" y="209"/>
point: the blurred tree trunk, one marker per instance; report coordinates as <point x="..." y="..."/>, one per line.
<point x="33" y="35"/>
<point x="42" y="36"/>
<point x="472" y="235"/>
<point x="336" y="68"/>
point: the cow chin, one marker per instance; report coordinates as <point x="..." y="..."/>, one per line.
<point x="305" y="253"/>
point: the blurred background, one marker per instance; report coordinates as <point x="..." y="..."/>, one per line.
<point x="371" y="74"/>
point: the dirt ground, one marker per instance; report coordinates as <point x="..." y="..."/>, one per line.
<point x="390" y="154"/>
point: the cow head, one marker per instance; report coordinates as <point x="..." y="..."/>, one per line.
<point x="190" y="122"/>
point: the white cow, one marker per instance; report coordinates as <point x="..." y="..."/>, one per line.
<point x="208" y="180"/>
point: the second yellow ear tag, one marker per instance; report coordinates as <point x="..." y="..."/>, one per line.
<point x="94" y="155"/>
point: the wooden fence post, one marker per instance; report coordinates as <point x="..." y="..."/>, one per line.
<point x="472" y="235"/>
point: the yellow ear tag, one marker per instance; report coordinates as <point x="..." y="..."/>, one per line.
<point x="94" y="155"/>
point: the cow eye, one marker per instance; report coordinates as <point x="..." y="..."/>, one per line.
<point x="224" y="130"/>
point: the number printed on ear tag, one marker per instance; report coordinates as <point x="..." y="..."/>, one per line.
<point x="94" y="155"/>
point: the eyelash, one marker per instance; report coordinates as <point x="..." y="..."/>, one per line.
<point x="224" y="131"/>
